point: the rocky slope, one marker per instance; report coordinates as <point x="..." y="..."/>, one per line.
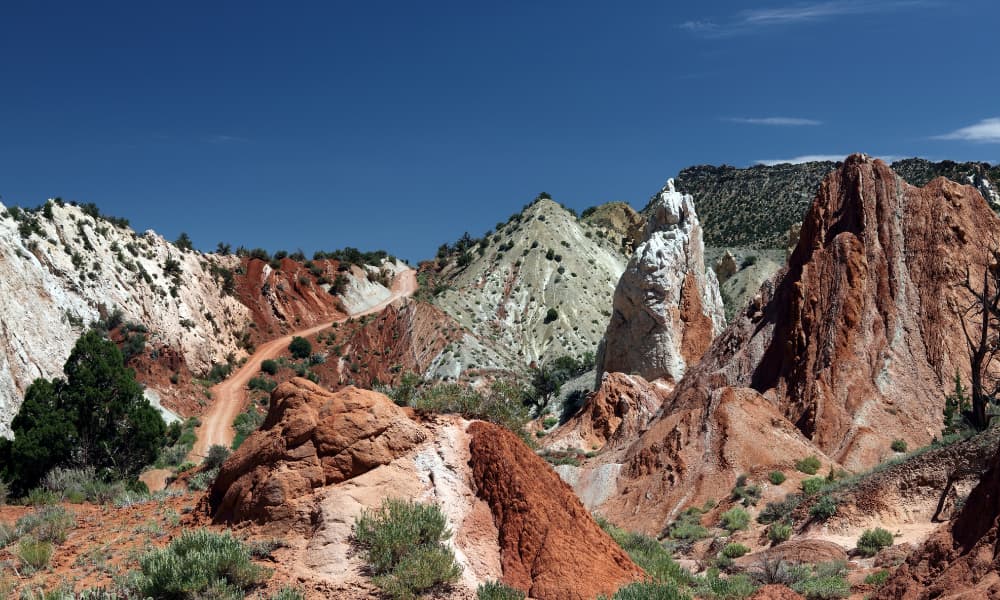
<point x="64" y="267"/>
<point x="961" y="560"/>
<point x="541" y="260"/>
<point x="320" y="459"/>
<point x="850" y="347"/>
<point x="60" y="273"/>
<point x="666" y="306"/>
<point x="982" y="176"/>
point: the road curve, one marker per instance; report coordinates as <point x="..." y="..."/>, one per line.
<point x="228" y="397"/>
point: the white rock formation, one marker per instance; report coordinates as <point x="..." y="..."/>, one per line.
<point x="667" y="307"/>
<point x="58" y="274"/>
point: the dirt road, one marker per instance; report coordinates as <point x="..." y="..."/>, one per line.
<point x="229" y="396"/>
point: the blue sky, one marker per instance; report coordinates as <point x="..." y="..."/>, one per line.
<point x="399" y="125"/>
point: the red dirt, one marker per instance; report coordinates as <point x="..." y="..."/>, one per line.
<point x="542" y="523"/>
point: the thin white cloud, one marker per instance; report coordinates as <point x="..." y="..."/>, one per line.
<point x="986" y="131"/>
<point x="752" y="20"/>
<point x="775" y="121"/>
<point x="806" y="158"/>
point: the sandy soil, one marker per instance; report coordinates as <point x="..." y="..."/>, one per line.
<point x="229" y="396"/>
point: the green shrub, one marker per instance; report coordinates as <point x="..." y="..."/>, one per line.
<point x="201" y="480"/>
<point x="262" y="384"/>
<point x="873" y="540"/>
<point x="33" y="553"/>
<point x="734" y="550"/>
<point x="713" y="587"/>
<point x="300" y="347"/>
<point x="551" y="315"/>
<point x="47" y="524"/>
<point x="40" y="496"/>
<point x="648" y="590"/>
<point x="266" y="548"/>
<point x="494" y="590"/>
<point x="735" y="519"/>
<point x="776" y="477"/>
<point x="269" y="366"/>
<point x="401" y="542"/>
<point x="898" y="445"/>
<point x="779" y="511"/>
<point x="422" y="569"/>
<point x="8" y="533"/>
<point x="878" y="578"/>
<point x="779" y="532"/>
<point x="825" y="587"/>
<point x="288" y="593"/>
<point x="808" y="465"/>
<point x="648" y="553"/>
<point x="216" y="456"/>
<point x="824" y="508"/>
<point x="196" y="564"/>
<point x="813" y="485"/>
<point x="688" y="526"/>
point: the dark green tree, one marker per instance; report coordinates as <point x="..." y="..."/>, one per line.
<point x="95" y="417"/>
<point x="184" y="241"/>
<point x="300" y="347"/>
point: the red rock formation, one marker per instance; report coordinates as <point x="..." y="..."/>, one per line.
<point x="962" y="559"/>
<point x="550" y="547"/>
<point x="310" y="438"/>
<point x="281" y="300"/>
<point x="854" y="343"/>
<point x="612" y="417"/>
<point x="405" y="337"/>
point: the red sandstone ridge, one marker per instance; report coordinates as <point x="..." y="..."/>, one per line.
<point x="849" y="347"/>
<point x="550" y="546"/>
<point x="962" y="559"/>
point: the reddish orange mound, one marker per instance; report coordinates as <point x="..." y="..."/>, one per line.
<point x="550" y="546"/>
<point x="962" y="559"/>
<point x="310" y="438"/>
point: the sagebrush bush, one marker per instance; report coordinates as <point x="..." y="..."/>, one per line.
<point x="288" y="593"/>
<point x="713" y="587"/>
<point x="688" y="526"/>
<point x="898" y="445"/>
<point x="825" y="587"/>
<point x="648" y="553"/>
<point x="734" y="550"/>
<point x="494" y="590"/>
<point x="779" y="532"/>
<point x="269" y="366"/>
<point x="198" y="562"/>
<point x="401" y="542"/>
<point x="33" y="553"/>
<point x="647" y="590"/>
<point x="779" y="511"/>
<point x="47" y="524"/>
<point x="824" y="508"/>
<point x="878" y="578"/>
<point x="808" y="465"/>
<point x="873" y="540"/>
<point x="4" y="492"/>
<point x="813" y="485"/>
<point x="776" y="477"/>
<point x="735" y="519"/>
<point x="216" y="456"/>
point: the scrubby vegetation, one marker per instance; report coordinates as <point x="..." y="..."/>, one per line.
<point x="501" y="403"/>
<point x="873" y="540"/>
<point x="808" y="465"/>
<point x="735" y="519"/>
<point x="65" y="422"/>
<point x="494" y="590"/>
<point x="402" y="545"/>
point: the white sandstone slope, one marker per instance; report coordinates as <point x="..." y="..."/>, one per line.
<point x="61" y="268"/>
<point x="542" y="259"/>
<point x="667" y="307"/>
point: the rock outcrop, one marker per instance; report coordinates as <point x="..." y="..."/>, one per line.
<point x="962" y="559"/>
<point x="666" y="307"/>
<point x="550" y="547"/>
<point x="612" y="417"/>
<point x="849" y="347"/>
<point x="322" y="458"/>
<point x="310" y="438"/>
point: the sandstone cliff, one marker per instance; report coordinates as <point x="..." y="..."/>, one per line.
<point x="667" y="306"/>
<point x="850" y="347"/>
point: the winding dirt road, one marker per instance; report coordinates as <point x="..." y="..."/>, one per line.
<point x="229" y="396"/>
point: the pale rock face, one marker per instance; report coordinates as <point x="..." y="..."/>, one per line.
<point x="54" y="284"/>
<point x="667" y="307"/>
<point x="985" y="188"/>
